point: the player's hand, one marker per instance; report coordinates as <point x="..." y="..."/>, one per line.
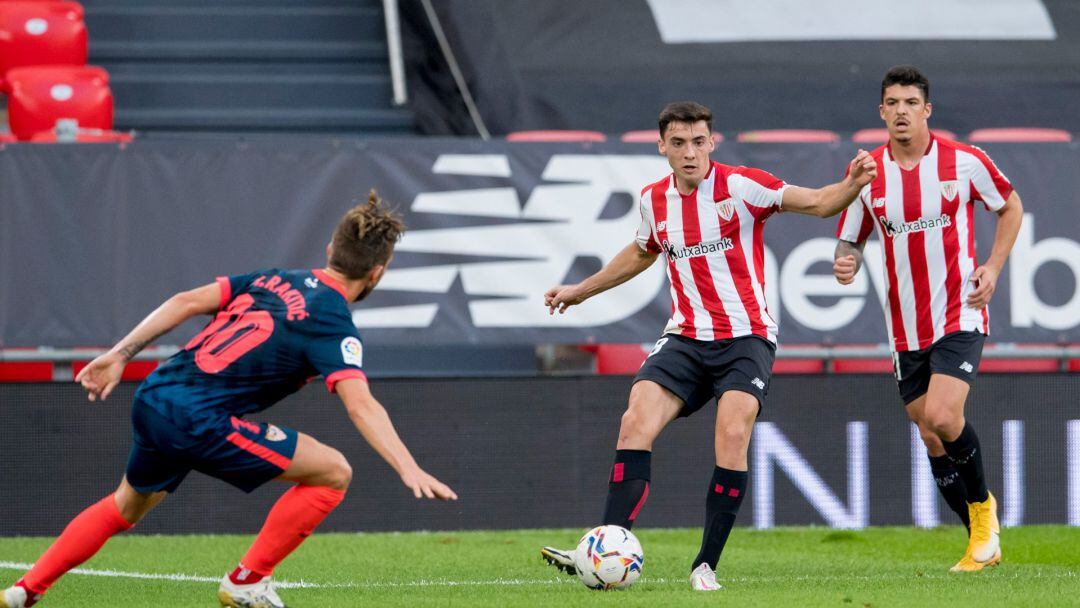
<point x="423" y="485"/>
<point x="863" y="168"/>
<point x="101" y="375"/>
<point x="562" y="297"/>
<point x="985" y="280"/>
<point x="844" y="269"/>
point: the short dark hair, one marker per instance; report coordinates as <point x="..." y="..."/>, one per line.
<point x="684" y="111"/>
<point x="906" y="75"/>
<point x="365" y="237"/>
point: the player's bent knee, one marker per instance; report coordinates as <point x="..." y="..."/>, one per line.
<point x="942" y="422"/>
<point x="340" y="474"/>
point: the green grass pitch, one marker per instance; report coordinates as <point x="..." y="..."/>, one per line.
<point x="788" y="567"/>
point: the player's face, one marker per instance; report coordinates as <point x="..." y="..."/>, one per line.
<point x="687" y="147"/>
<point x="905" y="112"/>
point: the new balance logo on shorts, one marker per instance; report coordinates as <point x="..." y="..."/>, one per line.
<point x="966" y="367"/>
<point x="758" y="383"/>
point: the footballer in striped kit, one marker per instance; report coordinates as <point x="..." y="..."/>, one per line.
<point x="707" y="219"/>
<point x="922" y="205"/>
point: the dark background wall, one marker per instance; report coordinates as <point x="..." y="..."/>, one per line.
<point x="535" y="452"/>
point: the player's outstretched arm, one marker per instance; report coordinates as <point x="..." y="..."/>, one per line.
<point x="834" y="198"/>
<point x="985" y="277"/>
<point x="847" y="260"/>
<point x="627" y="264"/>
<point x="371" y="419"/>
<point x="101" y="376"/>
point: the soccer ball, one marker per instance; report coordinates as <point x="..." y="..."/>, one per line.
<point x="608" y="557"/>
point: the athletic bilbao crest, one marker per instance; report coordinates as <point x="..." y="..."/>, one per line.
<point x="948" y="190"/>
<point x="726" y="209"/>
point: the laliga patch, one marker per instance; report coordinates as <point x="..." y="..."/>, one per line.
<point x="352" y="352"/>
<point x="273" y="433"/>
<point x="726" y="209"/>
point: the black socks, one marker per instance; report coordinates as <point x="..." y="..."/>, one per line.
<point x="726" y="492"/>
<point x="950" y="485"/>
<point x="628" y="487"/>
<point x="967" y="458"/>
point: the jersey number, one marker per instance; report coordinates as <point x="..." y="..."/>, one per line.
<point x="231" y="335"/>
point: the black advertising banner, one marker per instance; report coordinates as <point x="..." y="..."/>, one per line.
<point x="828" y="450"/>
<point x="610" y="65"/>
<point x="92" y="238"/>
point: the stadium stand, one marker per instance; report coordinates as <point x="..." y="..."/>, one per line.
<point x="273" y="66"/>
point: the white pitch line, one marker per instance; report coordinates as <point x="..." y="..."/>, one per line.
<point x="507" y="582"/>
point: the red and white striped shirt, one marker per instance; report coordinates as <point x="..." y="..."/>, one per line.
<point x="925" y="220"/>
<point x="716" y="257"/>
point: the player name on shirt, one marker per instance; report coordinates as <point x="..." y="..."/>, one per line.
<point x="296" y="306"/>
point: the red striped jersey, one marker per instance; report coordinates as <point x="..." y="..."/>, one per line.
<point x="712" y="239"/>
<point x="925" y="220"/>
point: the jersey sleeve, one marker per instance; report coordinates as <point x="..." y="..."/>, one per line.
<point x="989" y="183"/>
<point x="232" y="286"/>
<point x="646" y="238"/>
<point x="337" y="354"/>
<point x="762" y="191"/>
<point x="855" y="223"/>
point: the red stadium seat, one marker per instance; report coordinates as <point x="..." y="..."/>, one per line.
<point x="880" y="136"/>
<point x="651" y="136"/>
<point x="86" y="136"/>
<point x="788" y="136"/>
<point x="556" y="136"/>
<point x="39" y="96"/>
<point x="1019" y="135"/>
<point x="7" y="138"/>
<point x="26" y="371"/>
<point x="41" y="33"/>
<point x="863" y="366"/>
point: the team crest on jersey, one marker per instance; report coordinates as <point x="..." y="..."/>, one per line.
<point x="352" y="353"/>
<point x="948" y="190"/>
<point x="273" y="433"/>
<point x="879" y="202"/>
<point x="726" y="209"/>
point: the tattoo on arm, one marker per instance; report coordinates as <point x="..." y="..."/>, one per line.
<point x="845" y="248"/>
<point x="129" y="351"/>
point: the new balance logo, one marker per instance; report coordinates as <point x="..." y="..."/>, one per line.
<point x="758" y="383"/>
<point x="662" y="226"/>
<point x="311" y="283"/>
<point x="967" y="367"/>
<point x="879" y="202"/>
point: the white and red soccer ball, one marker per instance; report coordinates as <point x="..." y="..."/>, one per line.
<point x="608" y="557"/>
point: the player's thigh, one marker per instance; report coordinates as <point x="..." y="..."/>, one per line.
<point x="315" y="463"/>
<point x="675" y="367"/>
<point x="652" y="407"/>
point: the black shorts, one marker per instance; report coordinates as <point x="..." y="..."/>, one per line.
<point x="956" y="354"/>
<point x="696" y="371"/>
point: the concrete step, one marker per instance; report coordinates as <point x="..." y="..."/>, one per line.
<point x="236" y="50"/>
<point x="299" y="23"/>
<point x="251" y="90"/>
<point x="307" y="120"/>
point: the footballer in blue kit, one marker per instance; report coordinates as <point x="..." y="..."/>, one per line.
<point x="272" y="332"/>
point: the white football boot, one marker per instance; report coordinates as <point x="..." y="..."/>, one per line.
<point x="255" y="595"/>
<point x="559" y="558"/>
<point x="704" y="579"/>
<point x="16" y="596"/>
